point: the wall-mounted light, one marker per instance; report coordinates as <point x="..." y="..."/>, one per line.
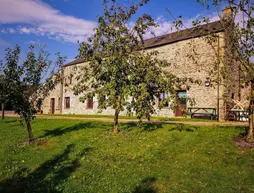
<point x="208" y="82"/>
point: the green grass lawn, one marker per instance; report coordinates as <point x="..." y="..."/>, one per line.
<point x="187" y="119"/>
<point x="85" y="156"/>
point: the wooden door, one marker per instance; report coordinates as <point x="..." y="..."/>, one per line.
<point x="181" y="103"/>
<point x="52" y="105"/>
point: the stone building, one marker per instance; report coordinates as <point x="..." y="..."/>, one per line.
<point x="178" y="48"/>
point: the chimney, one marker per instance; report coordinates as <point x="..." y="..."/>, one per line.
<point x="227" y="13"/>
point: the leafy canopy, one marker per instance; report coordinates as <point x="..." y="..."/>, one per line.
<point x="118" y="68"/>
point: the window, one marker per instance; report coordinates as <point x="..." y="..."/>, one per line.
<point x="67" y="102"/>
<point x="89" y="103"/>
<point x="163" y="96"/>
<point x="182" y="97"/>
<point x="68" y="81"/>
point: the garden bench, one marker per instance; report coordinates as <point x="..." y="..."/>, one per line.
<point x="200" y="112"/>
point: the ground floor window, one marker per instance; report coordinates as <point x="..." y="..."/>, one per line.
<point x="67" y="103"/>
<point x="162" y="98"/>
<point x="89" y="103"/>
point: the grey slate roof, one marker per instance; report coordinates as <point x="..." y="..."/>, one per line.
<point x="213" y="27"/>
<point x="194" y="32"/>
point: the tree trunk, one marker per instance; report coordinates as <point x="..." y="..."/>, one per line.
<point x="116" y="129"/>
<point x="148" y="116"/>
<point x="29" y="130"/>
<point x="117" y="111"/>
<point x="250" y="136"/>
<point x="2" y="111"/>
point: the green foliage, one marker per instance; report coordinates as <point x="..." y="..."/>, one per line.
<point x="240" y="33"/>
<point x="10" y="73"/>
<point x="238" y="49"/>
<point x="111" y="55"/>
<point x="24" y="81"/>
<point x="81" y="156"/>
<point x="148" y="79"/>
<point x="119" y="69"/>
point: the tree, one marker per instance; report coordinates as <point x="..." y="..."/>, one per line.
<point x="3" y="94"/>
<point x="239" y="46"/>
<point x="8" y="77"/>
<point x="25" y="81"/>
<point x="148" y="80"/>
<point x="118" y="68"/>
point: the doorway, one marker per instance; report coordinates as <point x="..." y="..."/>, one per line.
<point x="181" y="101"/>
<point x="52" y="105"/>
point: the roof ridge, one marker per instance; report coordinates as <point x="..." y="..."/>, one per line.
<point x="172" y="37"/>
<point x="183" y="30"/>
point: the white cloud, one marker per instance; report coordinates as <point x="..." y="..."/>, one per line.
<point x="36" y="17"/>
<point x="24" y="30"/>
<point x="34" y="42"/>
<point x="166" y="26"/>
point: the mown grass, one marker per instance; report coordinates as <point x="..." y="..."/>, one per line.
<point x="153" y="118"/>
<point x="85" y="156"/>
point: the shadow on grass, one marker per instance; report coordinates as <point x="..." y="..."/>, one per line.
<point x="7" y="121"/>
<point x="146" y="186"/>
<point x="47" y="177"/>
<point x="10" y="121"/>
<point x="182" y="127"/>
<point x="243" y="130"/>
<point x="125" y="127"/>
<point x="80" y="126"/>
<point x="151" y="126"/>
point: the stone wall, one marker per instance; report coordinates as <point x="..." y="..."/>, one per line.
<point x="56" y="94"/>
<point x="197" y="67"/>
<point x="182" y="65"/>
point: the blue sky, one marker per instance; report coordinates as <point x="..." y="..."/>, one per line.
<point x="61" y="23"/>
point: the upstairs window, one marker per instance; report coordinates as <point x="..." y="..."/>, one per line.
<point x="67" y="102"/>
<point x="68" y="81"/>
